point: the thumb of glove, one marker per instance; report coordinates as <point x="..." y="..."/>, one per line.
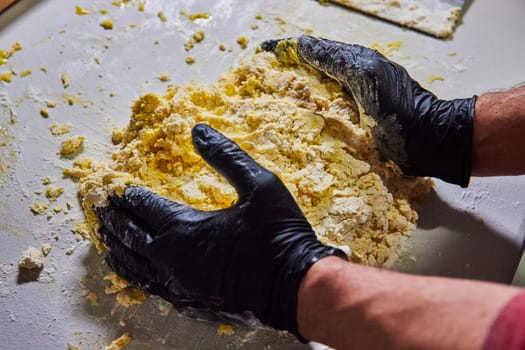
<point x="227" y="158"/>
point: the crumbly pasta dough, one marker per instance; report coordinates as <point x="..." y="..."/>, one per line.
<point x="294" y="121"/>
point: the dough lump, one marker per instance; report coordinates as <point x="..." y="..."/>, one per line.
<point x="295" y="121"/>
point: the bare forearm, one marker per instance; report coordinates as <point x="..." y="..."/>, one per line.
<point x="499" y="125"/>
<point x="348" y="306"/>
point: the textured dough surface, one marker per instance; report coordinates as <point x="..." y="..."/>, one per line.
<point x="435" y="17"/>
<point x="296" y="122"/>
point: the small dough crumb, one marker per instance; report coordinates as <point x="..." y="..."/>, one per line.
<point x="46" y="248"/>
<point x="119" y="343"/>
<point x="198" y="36"/>
<point x="72" y="146"/>
<point x="243" y="42"/>
<point x="161" y="16"/>
<point x="39" y="208"/>
<point x="107" y="24"/>
<point x="81" y="11"/>
<point x="117" y="135"/>
<point x="44" y="113"/>
<point x="59" y="129"/>
<point x="25" y="73"/>
<point x="65" y="80"/>
<point x="191" y="60"/>
<point x="53" y="192"/>
<point x="131" y="296"/>
<point x="225" y="329"/>
<point x="432" y="78"/>
<point x="81" y="228"/>
<point x="194" y="16"/>
<point x="6" y="77"/>
<point x="164" y="77"/>
<point x="31" y="259"/>
<point x="117" y="283"/>
<point x="92" y="298"/>
<point x="80" y="168"/>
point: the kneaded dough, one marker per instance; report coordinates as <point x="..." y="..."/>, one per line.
<point x="296" y="122"/>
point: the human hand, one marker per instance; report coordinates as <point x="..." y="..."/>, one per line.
<point x="249" y="257"/>
<point x="423" y="135"/>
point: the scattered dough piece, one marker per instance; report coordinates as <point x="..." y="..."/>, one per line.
<point x="25" y="73"/>
<point x="81" y="11"/>
<point x="39" y="208"/>
<point x="92" y="298"/>
<point x="53" y="192"/>
<point x="243" y="42"/>
<point x="191" y="60"/>
<point x="65" y="80"/>
<point x="119" y="343"/>
<point x="117" y="283"/>
<point x="432" y="78"/>
<point x="46" y="248"/>
<point x="72" y="146"/>
<point x="81" y="228"/>
<point x="44" y="113"/>
<point x="32" y="259"/>
<point x="161" y="16"/>
<point x="107" y="24"/>
<point x="131" y="296"/>
<point x="164" y="77"/>
<point x="6" y="77"/>
<point x="117" y="135"/>
<point x="194" y="16"/>
<point x="59" y="129"/>
<point x="80" y="169"/>
<point x="198" y="36"/>
<point x="225" y="329"/>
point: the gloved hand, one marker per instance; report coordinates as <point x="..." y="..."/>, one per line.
<point x="249" y="257"/>
<point x="423" y="135"/>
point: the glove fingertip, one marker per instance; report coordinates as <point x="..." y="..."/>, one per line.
<point x="204" y="137"/>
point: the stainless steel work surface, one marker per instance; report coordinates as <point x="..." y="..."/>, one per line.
<point x="476" y="232"/>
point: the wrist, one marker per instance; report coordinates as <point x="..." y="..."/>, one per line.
<point x="318" y="295"/>
<point x="292" y="269"/>
<point x="498" y="141"/>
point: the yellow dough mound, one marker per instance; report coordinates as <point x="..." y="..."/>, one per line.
<point x="294" y="121"/>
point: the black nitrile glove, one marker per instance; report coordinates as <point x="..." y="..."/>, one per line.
<point x="249" y="257"/>
<point x="423" y="135"/>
